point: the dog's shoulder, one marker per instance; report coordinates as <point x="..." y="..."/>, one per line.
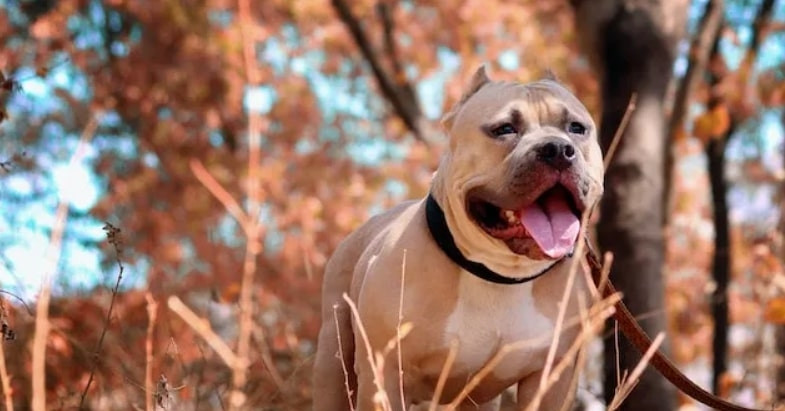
<point x="382" y="221"/>
<point x="341" y="266"/>
<point x="352" y="247"/>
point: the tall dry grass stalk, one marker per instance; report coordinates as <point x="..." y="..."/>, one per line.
<point x="591" y="323"/>
<point x="238" y="360"/>
<point x="267" y="358"/>
<point x="253" y="245"/>
<point x="346" y="383"/>
<point x="591" y="319"/>
<point x="564" y="303"/>
<point x="113" y="235"/>
<point x="202" y="327"/>
<point x="380" y="399"/>
<point x="5" y="379"/>
<point x="51" y="259"/>
<point x="149" y="389"/>
<point x="249" y="221"/>
<point x="631" y="105"/>
<point x="437" y="393"/>
<point x="629" y="382"/>
<point x="580" y="360"/>
<point x="398" y="335"/>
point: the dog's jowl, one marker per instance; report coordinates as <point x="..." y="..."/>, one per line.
<point x="488" y="253"/>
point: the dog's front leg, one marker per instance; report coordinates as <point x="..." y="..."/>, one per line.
<point x="560" y="393"/>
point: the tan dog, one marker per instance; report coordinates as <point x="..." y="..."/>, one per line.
<point x="487" y="256"/>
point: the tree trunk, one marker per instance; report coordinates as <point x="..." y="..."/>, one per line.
<point x="721" y="263"/>
<point x="715" y="153"/>
<point x="779" y="393"/>
<point x="632" y="43"/>
<point x="779" y="335"/>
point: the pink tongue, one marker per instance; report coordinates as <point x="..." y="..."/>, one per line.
<point x="553" y="226"/>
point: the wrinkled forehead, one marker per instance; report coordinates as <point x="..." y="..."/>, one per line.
<point x="540" y="100"/>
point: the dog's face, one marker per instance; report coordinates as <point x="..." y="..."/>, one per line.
<point x="523" y="165"/>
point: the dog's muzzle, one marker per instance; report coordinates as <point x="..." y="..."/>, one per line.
<point x="559" y="154"/>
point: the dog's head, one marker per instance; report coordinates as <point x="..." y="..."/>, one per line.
<point x="523" y="165"/>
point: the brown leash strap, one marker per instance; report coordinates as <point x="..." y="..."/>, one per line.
<point x="633" y="331"/>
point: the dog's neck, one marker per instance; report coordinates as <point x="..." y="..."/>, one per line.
<point x="437" y="226"/>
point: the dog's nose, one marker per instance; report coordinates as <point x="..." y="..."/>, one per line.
<point x="559" y="154"/>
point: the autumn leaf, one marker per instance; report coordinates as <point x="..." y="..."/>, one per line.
<point x="702" y="128"/>
<point x="775" y="311"/>
<point x="726" y="384"/>
<point x="712" y="124"/>
<point x="680" y="135"/>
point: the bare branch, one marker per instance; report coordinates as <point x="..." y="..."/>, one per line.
<point x="202" y="327"/>
<point x="405" y="106"/>
<point x="253" y="246"/>
<point x="219" y="192"/>
<point x="620" y="131"/>
<point x="384" y="9"/>
<point x="700" y="49"/>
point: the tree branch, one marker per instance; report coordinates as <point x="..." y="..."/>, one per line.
<point x="403" y="103"/>
<point x="700" y="48"/>
<point x="390" y="46"/>
<point x="759" y="26"/>
<point x="715" y="152"/>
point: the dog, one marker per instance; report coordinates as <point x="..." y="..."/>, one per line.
<point x="487" y="258"/>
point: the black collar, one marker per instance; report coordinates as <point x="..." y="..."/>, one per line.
<point x="437" y="225"/>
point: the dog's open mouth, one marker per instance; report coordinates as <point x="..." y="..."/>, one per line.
<point x="546" y="228"/>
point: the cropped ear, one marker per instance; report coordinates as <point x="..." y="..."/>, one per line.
<point x="550" y="75"/>
<point x="479" y="79"/>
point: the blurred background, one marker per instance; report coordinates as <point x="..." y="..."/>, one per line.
<point x="234" y="145"/>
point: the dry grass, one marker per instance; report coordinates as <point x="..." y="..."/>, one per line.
<point x="628" y="382"/>
<point x="238" y="360"/>
<point x="398" y="333"/>
<point x="52" y="257"/>
<point x="152" y="313"/>
<point x="349" y="391"/>
<point x="113" y="235"/>
<point x="159" y="395"/>
<point x="4" y="377"/>
<point x="568" y="290"/>
<point x="591" y="319"/>
<point x="203" y="328"/>
<point x="437" y="393"/>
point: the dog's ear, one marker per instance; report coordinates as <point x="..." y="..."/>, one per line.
<point x="479" y="79"/>
<point x="550" y="75"/>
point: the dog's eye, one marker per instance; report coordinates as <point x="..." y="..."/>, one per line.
<point x="503" y="130"/>
<point x="576" y="128"/>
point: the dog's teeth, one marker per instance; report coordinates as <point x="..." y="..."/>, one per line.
<point x="510" y="216"/>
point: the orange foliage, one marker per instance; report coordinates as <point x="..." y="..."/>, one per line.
<point x="173" y="73"/>
<point x="712" y="124"/>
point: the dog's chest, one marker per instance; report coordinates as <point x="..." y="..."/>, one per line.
<point x="489" y="316"/>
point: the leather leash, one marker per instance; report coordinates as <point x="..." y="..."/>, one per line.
<point x="635" y="334"/>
